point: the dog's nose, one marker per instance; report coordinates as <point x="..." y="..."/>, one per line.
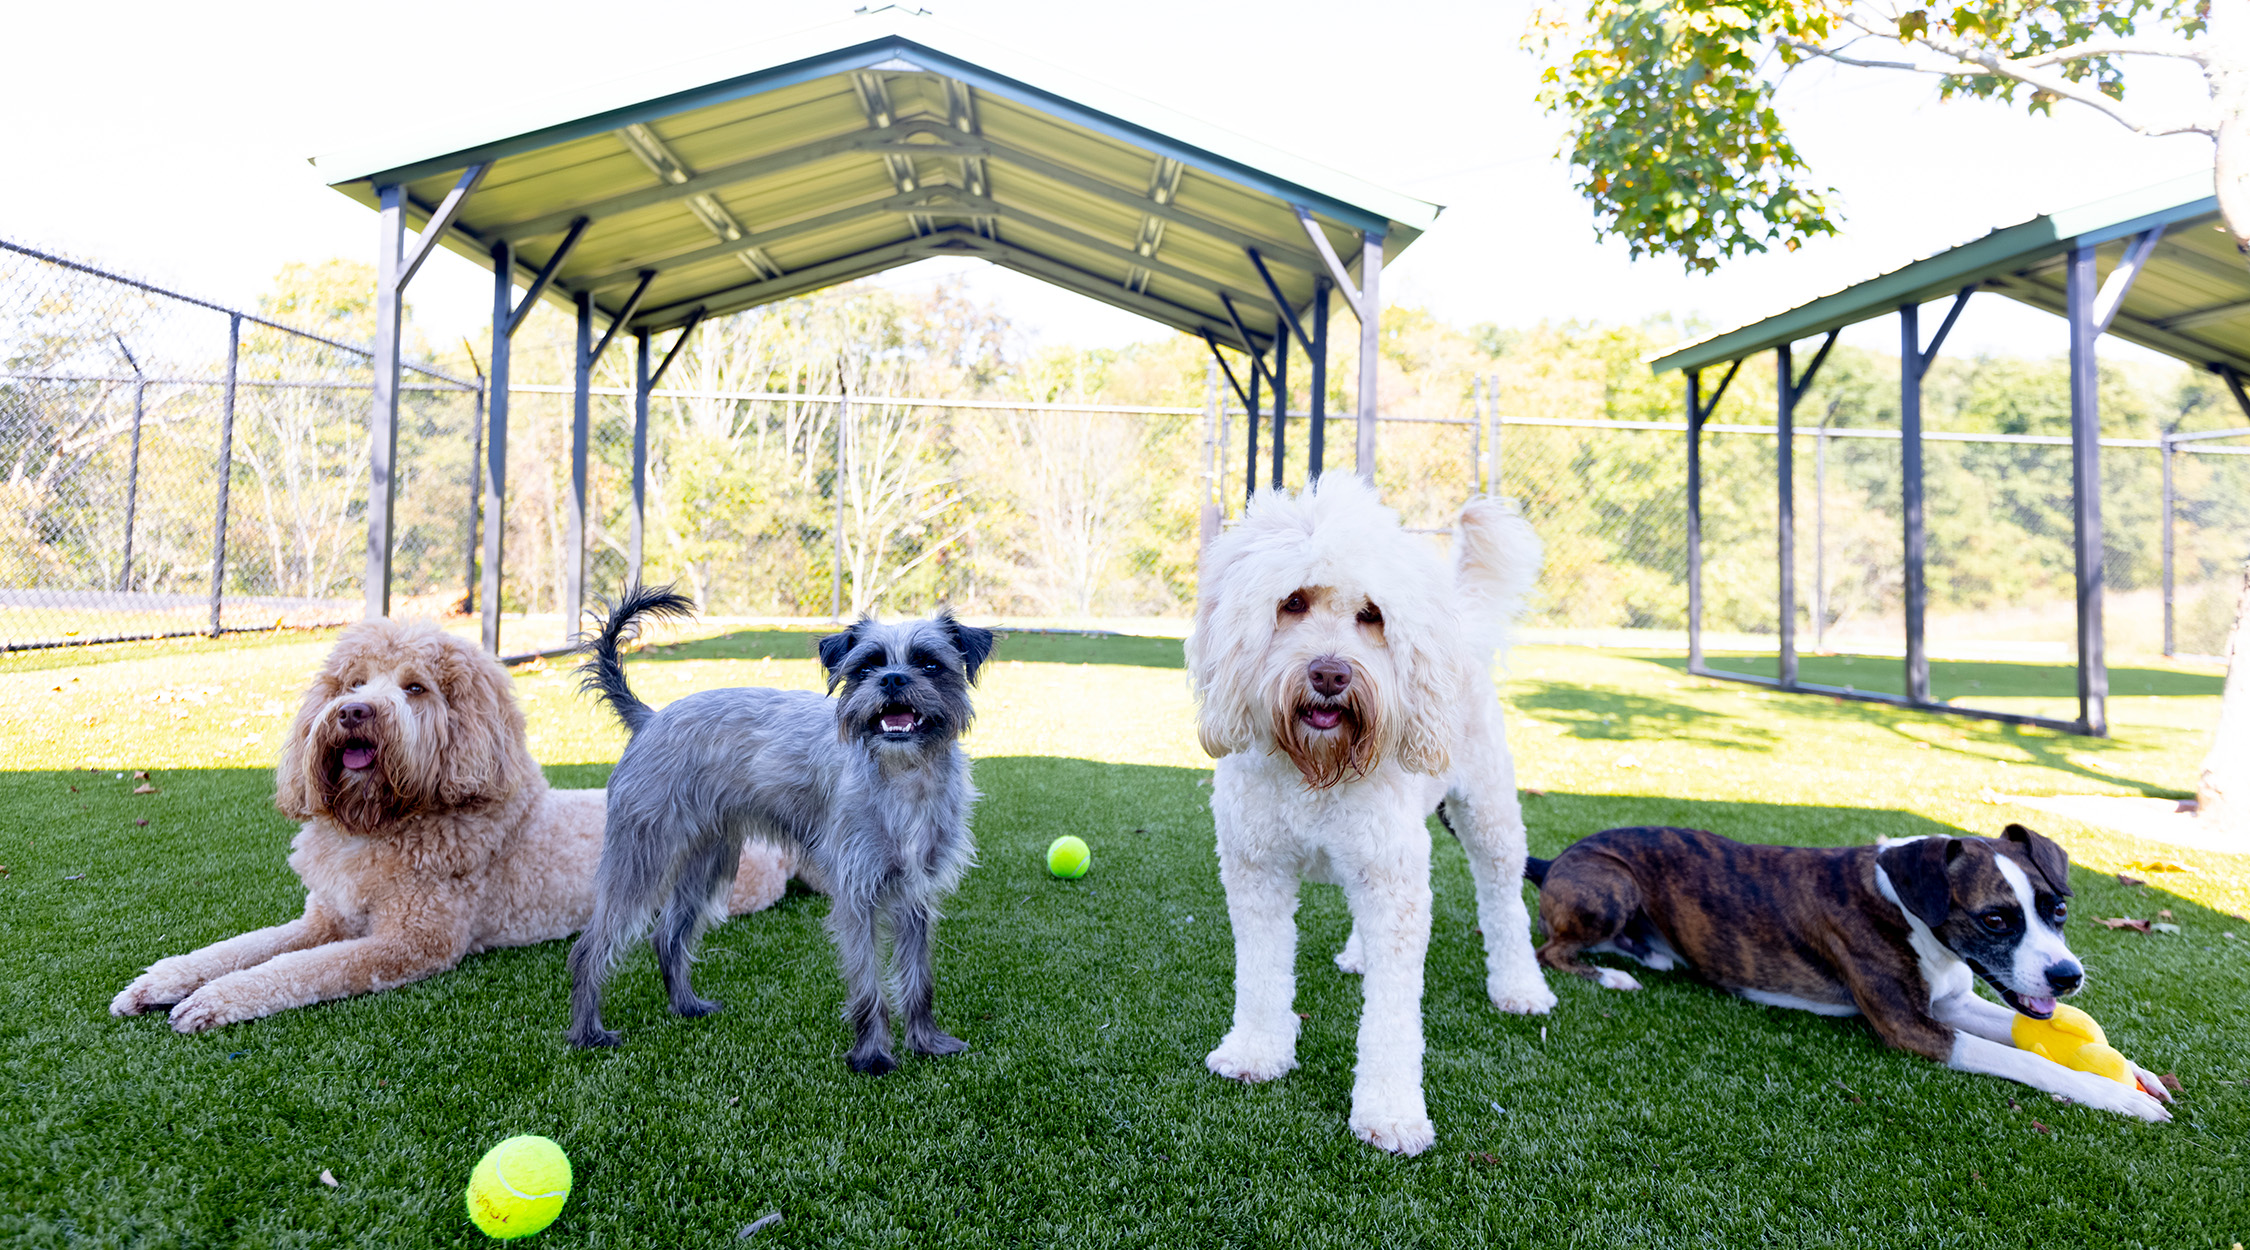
<point x="891" y="683"/>
<point x="1329" y="676"/>
<point x="353" y="715"/>
<point x="2065" y="977"/>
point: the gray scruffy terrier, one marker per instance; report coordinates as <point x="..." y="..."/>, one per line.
<point x="871" y="790"/>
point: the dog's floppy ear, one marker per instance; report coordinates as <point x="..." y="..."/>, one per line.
<point x="1222" y="651"/>
<point x="836" y="647"/>
<point x="2052" y="861"/>
<point x="1434" y="668"/>
<point x="1917" y="873"/>
<point x="485" y="756"/>
<point x="974" y="644"/>
<point x="296" y="787"/>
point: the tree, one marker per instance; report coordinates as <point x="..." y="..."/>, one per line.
<point x="1681" y="151"/>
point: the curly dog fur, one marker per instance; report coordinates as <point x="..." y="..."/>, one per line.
<point x="429" y="834"/>
<point x="1342" y="682"/>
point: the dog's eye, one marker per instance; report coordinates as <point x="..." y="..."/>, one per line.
<point x="360" y="684"/>
<point x="415" y="687"/>
<point x="1994" y="921"/>
<point x="864" y="670"/>
<point x="1371" y="615"/>
<point x="1295" y="605"/>
<point x="931" y="669"/>
<point x="2061" y="912"/>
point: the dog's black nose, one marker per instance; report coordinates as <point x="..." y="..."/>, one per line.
<point x="353" y="715"/>
<point x="2065" y="977"/>
<point x="1329" y="677"/>
<point x="891" y="683"/>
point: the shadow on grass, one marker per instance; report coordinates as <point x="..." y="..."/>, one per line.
<point x="1083" y="1114"/>
<point x="1963" y="680"/>
<point x="1026" y="647"/>
<point x="1596" y="713"/>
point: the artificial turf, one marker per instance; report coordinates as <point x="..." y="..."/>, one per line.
<point x="1082" y="1114"/>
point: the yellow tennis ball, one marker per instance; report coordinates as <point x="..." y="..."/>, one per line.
<point x="1068" y="857"/>
<point x="519" y="1187"/>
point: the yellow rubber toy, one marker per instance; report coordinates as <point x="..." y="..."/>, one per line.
<point x="2071" y="1038"/>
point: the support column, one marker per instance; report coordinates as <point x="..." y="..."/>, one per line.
<point x="638" y="520"/>
<point x="226" y="467"/>
<point x="581" y="422"/>
<point x="1820" y="538"/>
<point x="382" y="423"/>
<point x="476" y="482"/>
<point x="2165" y="447"/>
<point x="1280" y="400"/>
<point x="1316" y="428"/>
<point x="133" y="467"/>
<point x="1492" y="402"/>
<point x="1695" y="520"/>
<point x="1785" y="467"/>
<point x="2086" y="490"/>
<point x="1910" y="498"/>
<point x="1370" y="345"/>
<point x="496" y="440"/>
<point x="1250" y="428"/>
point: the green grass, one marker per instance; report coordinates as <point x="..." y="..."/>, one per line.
<point x="1083" y="1115"/>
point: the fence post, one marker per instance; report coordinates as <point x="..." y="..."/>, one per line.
<point x="1492" y="410"/>
<point x="132" y="466"/>
<point x="1476" y="435"/>
<point x="581" y="421"/>
<point x="836" y="576"/>
<point x="382" y="422"/>
<point x="2086" y="490"/>
<point x="639" y="519"/>
<point x="1695" y="520"/>
<point x="226" y="470"/>
<point x="496" y="446"/>
<point x="1820" y="539"/>
<point x="476" y="483"/>
<point x="2165" y="446"/>
<point x="1785" y="524"/>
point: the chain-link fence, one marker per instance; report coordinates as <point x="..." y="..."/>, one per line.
<point x="169" y="466"/>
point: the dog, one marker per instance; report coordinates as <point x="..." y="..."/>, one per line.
<point x="870" y="790"/>
<point x="1342" y="685"/>
<point x="1898" y="932"/>
<point x="429" y="834"/>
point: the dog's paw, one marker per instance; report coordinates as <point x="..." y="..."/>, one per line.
<point x="1349" y="960"/>
<point x="695" y="1007"/>
<point x="1522" y="997"/>
<point x="1251" y="1060"/>
<point x="875" y="1064"/>
<point x="160" y="986"/>
<point x="2150" y="1082"/>
<point x="1616" y="979"/>
<point x="208" y="1008"/>
<point x="1406" y="1135"/>
<point x="936" y="1043"/>
<point x="596" y="1036"/>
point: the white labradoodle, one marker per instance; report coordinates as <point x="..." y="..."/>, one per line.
<point x="1343" y="684"/>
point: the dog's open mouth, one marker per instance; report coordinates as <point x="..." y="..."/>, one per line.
<point x="897" y="718"/>
<point x="1321" y="717"/>
<point x="2036" y="1008"/>
<point x="357" y="755"/>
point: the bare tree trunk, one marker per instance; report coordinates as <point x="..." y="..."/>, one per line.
<point x="2228" y="76"/>
<point x="2222" y="793"/>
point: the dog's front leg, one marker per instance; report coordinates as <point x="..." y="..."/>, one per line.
<point x="1261" y="905"/>
<point x="169" y="981"/>
<point x="913" y="930"/>
<point x="336" y="970"/>
<point x="851" y="921"/>
<point x="1488" y="820"/>
<point x="1975" y="1054"/>
<point x="1971" y="1013"/>
<point x="1390" y="904"/>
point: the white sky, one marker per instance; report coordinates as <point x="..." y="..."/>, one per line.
<point x="170" y="140"/>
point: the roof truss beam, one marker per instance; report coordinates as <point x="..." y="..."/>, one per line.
<point x="810" y="278"/>
<point x="1163" y="187"/>
<point x="1092" y="285"/>
<point x="667" y="165"/>
<point x="441" y="220"/>
<point x="2186" y="347"/>
<point x="724" y="176"/>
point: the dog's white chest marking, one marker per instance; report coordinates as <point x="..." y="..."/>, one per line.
<point x="1770" y="999"/>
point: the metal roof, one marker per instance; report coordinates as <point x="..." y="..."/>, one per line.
<point x="2190" y="300"/>
<point x="759" y="173"/>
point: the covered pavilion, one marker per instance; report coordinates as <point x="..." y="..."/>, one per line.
<point x="650" y="203"/>
<point x="2152" y="267"/>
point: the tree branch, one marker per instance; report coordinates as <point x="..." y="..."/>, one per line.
<point x="2117" y="47"/>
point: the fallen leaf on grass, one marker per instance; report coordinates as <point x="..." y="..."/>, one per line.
<point x="2163" y="913"/>
<point x="2166" y="865"/>
<point x="142" y="821"/>
<point x="328" y="1178"/>
<point x="144" y="788"/>
<point x="140" y="774"/>
<point x="2123" y="922"/>
<point x="2122" y="879"/>
<point x="76" y="876"/>
<point x="2161" y="927"/>
<point x="3" y="870"/>
<point x="2171" y="1082"/>
<point x="1486" y="1159"/>
<point x="2041" y="1127"/>
<point x="759" y="1225"/>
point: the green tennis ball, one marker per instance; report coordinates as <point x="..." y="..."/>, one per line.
<point x="1068" y="857"/>
<point x="519" y="1187"/>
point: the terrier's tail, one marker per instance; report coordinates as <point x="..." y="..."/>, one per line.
<point x="1496" y="558"/>
<point x="1535" y="869"/>
<point x="603" y="672"/>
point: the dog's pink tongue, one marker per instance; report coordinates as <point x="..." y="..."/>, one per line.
<point x="1323" y="717"/>
<point x="898" y="724"/>
<point x="2046" y="1005"/>
<point x="356" y="758"/>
